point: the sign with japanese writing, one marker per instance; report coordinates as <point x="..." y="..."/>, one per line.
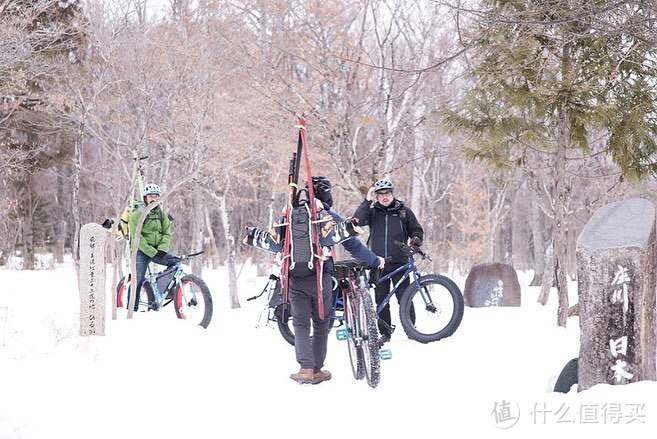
<point x="616" y="278"/>
<point x="492" y="284"/>
<point x="92" y="279"/>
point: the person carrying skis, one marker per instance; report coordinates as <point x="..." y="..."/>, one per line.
<point x="154" y="238"/>
<point x="389" y="221"/>
<point x="310" y="351"/>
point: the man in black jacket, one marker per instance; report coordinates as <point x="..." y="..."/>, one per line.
<point x="389" y="221"/>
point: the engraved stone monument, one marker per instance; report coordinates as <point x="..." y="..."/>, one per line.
<point x="616" y="287"/>
<point x="492" y="284"/>
<point x="92" y="279"/>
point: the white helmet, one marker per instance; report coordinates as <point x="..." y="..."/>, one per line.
<point x="383" y="185"/>
<point x="152" y="189"/>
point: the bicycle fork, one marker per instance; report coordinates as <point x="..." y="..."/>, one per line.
<point x="426" y="297"/>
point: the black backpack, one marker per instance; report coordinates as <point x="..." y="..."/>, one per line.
<point x="302" y="249"/>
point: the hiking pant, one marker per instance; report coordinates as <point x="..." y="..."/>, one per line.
<point x="310" y="351"/>
<point x="142" y="265"/>
<point x="381" y="292"/>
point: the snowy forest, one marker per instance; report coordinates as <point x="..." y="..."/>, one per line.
<point x="504" y="124"/>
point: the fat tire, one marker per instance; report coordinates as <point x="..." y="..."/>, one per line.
<point x="370" y="349"/>
<point x="354" y="348"/>
<point x="122" y="294"/>
<point x="204" y="291"/>
<point x="407" y="300"/>
<point x="284" y="321"/>
<point x="567" y="377"/>
<point x="283" y="315"/>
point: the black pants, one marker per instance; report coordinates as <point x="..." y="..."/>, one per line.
<point x="310" y="351"/>
<point x="381" y="292"/>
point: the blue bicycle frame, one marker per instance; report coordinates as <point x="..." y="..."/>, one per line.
<point x="409" y="268"/>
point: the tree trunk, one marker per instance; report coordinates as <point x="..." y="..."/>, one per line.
<point x="28" y="230"/>
<point x="548" y="275"/>
<point x="60" y="241"/>
<point x="417" y="178"/>
<point x="212" y="244"/>
<point x="504" y="238"/>
<point x="561" y="193"/>
<point x="197" y="234"/>
<point x="497" y="245"/>
<point x="60" y="219"/>
<point x="560" y="231"/>
<point x="536" y="227"/>
<point x="114" y="258"/>
<point x="75" y="203"/>
<point x="231" y="260"/>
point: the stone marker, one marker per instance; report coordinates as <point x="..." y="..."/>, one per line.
<point x="92" y="279"/>
<point x="492" y="284"/>
<point x="616" y="287"/>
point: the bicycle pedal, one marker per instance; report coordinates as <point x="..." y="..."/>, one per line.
<point x="385" y="354"/>
<point x="342" y="334"/>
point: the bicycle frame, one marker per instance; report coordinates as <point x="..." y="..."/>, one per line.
<point x="360" y="330"/>
<point x="349" y="287"/>
<point x="161" y="296"/>
<point x="408" y="268"/>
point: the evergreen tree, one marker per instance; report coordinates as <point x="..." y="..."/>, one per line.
<point x="546" y="77"/>
<point x="40" y="40"/>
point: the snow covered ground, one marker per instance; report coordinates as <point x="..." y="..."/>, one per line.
<point x="156" y="376"/>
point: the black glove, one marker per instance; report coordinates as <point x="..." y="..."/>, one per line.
<point x="415" y="241"/>
<point x="171" y="260"/>
<point x="164" y="258"/>
<point x="248" y="239"/>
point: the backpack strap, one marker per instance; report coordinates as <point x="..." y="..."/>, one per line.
<point x="160" y="215"/>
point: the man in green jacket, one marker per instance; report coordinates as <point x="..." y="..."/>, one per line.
<point x="154" y="238"/>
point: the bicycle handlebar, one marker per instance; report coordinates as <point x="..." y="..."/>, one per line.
<point x="189" y="256"/>
<point x="411" y="250"/>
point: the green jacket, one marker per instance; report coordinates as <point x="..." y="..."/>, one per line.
<point x="155" y="233"/>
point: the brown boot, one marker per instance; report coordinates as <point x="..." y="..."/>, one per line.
<point x="322" y="375"/>
<point x="303" y="376"/>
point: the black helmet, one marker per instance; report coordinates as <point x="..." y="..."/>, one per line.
<point x="322" y="189"/>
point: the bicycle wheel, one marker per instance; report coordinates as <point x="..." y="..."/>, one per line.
<point x="438" y="306"/>
<point x="193" y="301"/>
<point x="283" y="315"/>
<point x="284" y="322"/>
<point x="370" y="350"/>
<point x="122" y="295"/>
<point x="354" y="341"/>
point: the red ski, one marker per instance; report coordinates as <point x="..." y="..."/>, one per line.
<point x="317" y="259"/>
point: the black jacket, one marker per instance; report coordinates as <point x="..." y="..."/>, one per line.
<point x="387" y="225"/>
